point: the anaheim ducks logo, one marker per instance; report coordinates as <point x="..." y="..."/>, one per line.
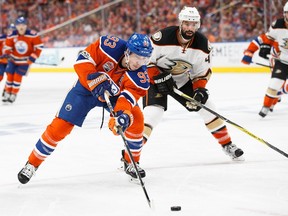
<point x="178" y="66"/>
<point x="285" y="46"/>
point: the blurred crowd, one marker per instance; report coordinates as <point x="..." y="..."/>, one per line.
<point x="221" y="20"/>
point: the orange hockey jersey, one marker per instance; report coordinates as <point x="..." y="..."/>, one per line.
<point x="2" y="42"/>
<point x="21" y="47"/>
<point x="105" y="56"/>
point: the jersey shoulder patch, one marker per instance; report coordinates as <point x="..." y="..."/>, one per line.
<point x="166" y="36"/>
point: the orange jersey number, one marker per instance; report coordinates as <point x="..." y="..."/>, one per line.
<point x="143" y="76"/>
<point x="111" y="41"/>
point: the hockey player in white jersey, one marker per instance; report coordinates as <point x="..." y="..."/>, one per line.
<point x="277" y="34"/>
<point x="181" y="59"/>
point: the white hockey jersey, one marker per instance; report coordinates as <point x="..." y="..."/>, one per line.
<point x="279" y="32"/>
<point x="185" y="63"/>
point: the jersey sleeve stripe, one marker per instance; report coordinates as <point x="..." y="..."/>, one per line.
<point x="129" y="97"/>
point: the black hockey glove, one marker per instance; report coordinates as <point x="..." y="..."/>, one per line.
<point x="201" y="95"/>
<point x="164" y="82"/>
<point x="264" y="50"/>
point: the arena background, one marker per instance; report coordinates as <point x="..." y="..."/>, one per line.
<point x="67" y="26"/>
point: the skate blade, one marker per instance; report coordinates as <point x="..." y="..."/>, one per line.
<point x="238" y="159"/>
<point x="134" y="180"/>
<point x="121" y="167"/>
<point x="6" y="103"/>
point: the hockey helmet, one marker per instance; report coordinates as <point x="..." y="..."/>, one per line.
<point x="11" y="26"/>
<point x="189" y="14"/>
<point x="140" y="44"/>
<point x="21" y="20"/>
<point x="285" y="8"/>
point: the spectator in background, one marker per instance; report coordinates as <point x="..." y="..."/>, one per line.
<point x="243" y="18"/>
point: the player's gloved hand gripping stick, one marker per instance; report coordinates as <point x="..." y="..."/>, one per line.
<point x="120" y="132"/>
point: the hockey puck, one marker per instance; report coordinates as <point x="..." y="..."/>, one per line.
<point x="175" y="208"/>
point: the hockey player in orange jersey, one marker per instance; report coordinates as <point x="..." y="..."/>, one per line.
<point x="110" y="64"/>
<point x="23" y="47"/>
<point x="3" y="59"/>
<point x="275" y="38"/>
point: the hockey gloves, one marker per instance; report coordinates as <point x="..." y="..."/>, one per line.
<point x="164" y="82"/>
<point x="264" y="50"/>
<point x="247" y="59"/>
<point x="99" y="82"/>
<point x="201" y="95"/>
<point x="121" y="120"/>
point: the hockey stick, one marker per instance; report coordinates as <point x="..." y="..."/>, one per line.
<point x="106" y="96"/>
<point x="39" y="63"/>
<point x="262" y="64"/>
<point x="187" y="97"/>
<point x="278" y="59"/>
<point x="50" y="64"/>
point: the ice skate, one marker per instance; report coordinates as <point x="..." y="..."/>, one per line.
<point x="12" y="98"/>
<point x="26" y="173"/>
<point x="271" y="108"/>
<point x="130" y="170"/>
<point x="264" y="111"/>
<point x="5" y="97"/>
<point x="234" y="152"/>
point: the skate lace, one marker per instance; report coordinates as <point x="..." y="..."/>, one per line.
<point x="28" y="171"/>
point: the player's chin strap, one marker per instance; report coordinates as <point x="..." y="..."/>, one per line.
<point x="187" y="97"/>
<point x="106" y="96"/>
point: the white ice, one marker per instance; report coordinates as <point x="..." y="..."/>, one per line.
<point x="184" y="164"/>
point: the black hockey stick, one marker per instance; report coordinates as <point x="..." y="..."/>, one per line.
<point x="277" y="59"/>
<point x="50" y="64"/>
<point x="106" y="95"/>
<point x="264" y="65"/>
<point x="187" y="97"/>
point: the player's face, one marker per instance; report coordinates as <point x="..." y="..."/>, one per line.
<point x="188" y="29"/>
<point x="21" y="28"/>
<point x="135" y="61"/>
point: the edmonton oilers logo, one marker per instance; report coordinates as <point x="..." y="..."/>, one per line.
<point x="68" y="107"/>
<point x="21" y="47"/>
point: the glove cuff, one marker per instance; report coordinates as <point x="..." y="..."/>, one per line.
<point x="32" y="58"/>
<point x="248" y="53"/>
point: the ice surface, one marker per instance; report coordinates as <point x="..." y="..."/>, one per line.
<point x="184" y="164"/>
